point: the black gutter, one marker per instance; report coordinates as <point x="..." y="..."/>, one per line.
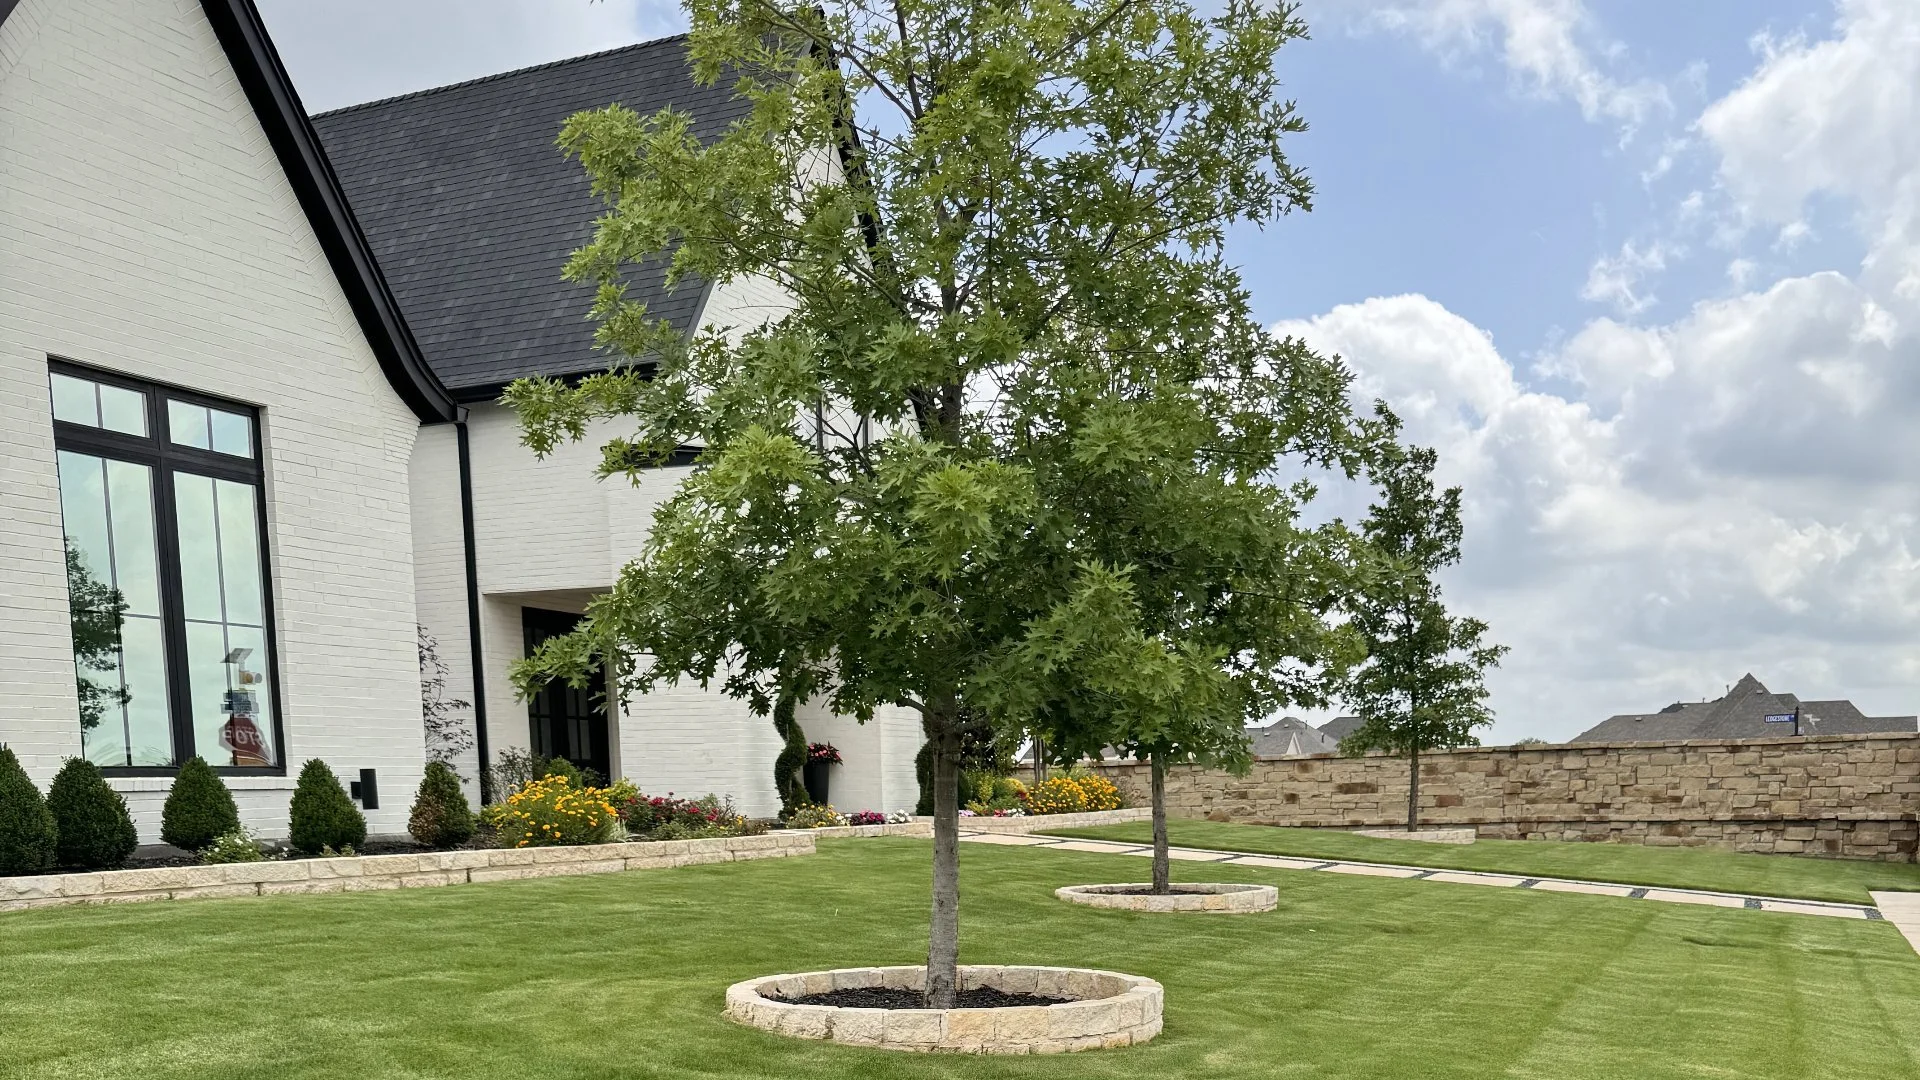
<point x="473" y="610"/>
<point x="257" y="64"/>
<point x="6" y="9"/>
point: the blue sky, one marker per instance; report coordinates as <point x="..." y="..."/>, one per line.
<point x="1646" y="273"/>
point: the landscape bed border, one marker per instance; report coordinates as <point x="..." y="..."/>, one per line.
<point x="1107" y="1009"/>
<point x="374" y="872"/>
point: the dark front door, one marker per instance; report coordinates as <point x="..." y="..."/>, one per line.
<point x="567" y="722"/>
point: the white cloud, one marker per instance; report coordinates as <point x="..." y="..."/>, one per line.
<point x="1839" y="117"/>
<point x="343" y="52"/>
<point x="1729" y="492"/>
<point x="1548" y="46"/>
<point x="1616" y="279"/>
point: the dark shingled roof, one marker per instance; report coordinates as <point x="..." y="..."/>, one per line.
<point x="1290" y="736"/>
<point x="1340" y="727"/>
<point x="1741" y="714"/>
<point x="472" y="210"/>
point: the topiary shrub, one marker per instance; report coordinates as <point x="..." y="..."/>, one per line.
<point x="322" y="816"/>
<point x="199" y="809"/>
<point x="27" y="833"/>
<point x="441" y="817"/>
<point x="95" y="830"/>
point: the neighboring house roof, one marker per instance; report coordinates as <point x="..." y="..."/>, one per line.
<point x="1340" y="727"/>
<point x="473" y="210"/>
<point x="1741" y="714"/>
<point x="1290" y="736"/>
<point x="244" y="38"/>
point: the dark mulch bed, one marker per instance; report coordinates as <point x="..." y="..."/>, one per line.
<point x="876" y="998"/>
<point x="1147" y="890"/>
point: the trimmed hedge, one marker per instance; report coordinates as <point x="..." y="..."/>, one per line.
<point x="95" y="830"/>
<point x="441" y="816"/>
<point x="322" y="816"/>
<point x="199" y="809"/>
<point x="27" y="833"/>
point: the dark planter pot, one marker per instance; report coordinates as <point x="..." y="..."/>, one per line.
<point x="814" y="775"/>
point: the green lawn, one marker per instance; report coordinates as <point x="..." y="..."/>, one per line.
<point x="622" y="976"/>
<point x="1841" y="880"/>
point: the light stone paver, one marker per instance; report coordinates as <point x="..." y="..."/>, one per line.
<point x="1829" y="910"/>
<point x="1900" y="908"/>
<point x="1468" y="878"/>
<point x="1279" y="862"/>
<point x="1587" y="887"/>
<point x="1369" y="870"/>
<point x="1101" y="847"/>
<point x="1709" y="899"/>
<point x="1010" y="839"/>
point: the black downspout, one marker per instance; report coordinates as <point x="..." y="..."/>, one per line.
<point x="473" y="611"/>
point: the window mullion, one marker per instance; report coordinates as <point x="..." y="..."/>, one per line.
<point x="173" y="615"/>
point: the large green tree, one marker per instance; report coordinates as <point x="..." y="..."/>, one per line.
<point x="1423" y="685"/>
<point x="1001" y="227"/>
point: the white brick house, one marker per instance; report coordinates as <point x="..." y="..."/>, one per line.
<point x="230" y="386"/>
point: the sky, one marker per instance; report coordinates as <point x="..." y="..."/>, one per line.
<point x="1646" y="274"/>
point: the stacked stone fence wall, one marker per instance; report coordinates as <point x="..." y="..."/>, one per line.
<point x="1848" y="796"/>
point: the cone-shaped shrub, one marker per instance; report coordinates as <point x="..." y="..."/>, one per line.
<point x="323" y="816"/>
<point x="26" y="826"/>
<point x="441" y="817"/>
<point x="199" y="808"/>
<point x="95" y="830"/>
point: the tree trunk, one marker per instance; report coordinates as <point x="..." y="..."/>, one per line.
<point x="1413" y="790"/>
<point x="1039" y="759"/>
<point x="1162" y="883"/>
<point x="943" y="933"/>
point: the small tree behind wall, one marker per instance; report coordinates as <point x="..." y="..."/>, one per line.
<point x="1423" y="684"/>
<point x="448" y="733"/>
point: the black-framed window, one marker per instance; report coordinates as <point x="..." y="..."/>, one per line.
<point x="164" y="513"/>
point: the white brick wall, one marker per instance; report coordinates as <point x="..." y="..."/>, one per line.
<point x="548" y="534"/>
<point x="146" y="227"/>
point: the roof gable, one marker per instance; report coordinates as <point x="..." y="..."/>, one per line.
<point x="472" y="209"/>
<point x="243" y="37"/>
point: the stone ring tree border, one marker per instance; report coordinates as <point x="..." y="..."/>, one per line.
<point x="1105" y="1009"/>
<point x="1213" y="897"/>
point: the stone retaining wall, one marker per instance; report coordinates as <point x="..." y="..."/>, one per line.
<point x="386" y="871"/>
<point x="1851" y="796"/>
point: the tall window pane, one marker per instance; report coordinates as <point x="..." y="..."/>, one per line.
<point x="222" y="594"/>
<point x="113" y="593"/>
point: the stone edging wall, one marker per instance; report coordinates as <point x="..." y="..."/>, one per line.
<point x="386" y="871"/>
<point x="1105" y="1009"/>
<point x="1851" y="796"/>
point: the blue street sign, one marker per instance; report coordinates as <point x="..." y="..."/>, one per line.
<point x="1780" y="718"/>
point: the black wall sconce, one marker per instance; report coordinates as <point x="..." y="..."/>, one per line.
<point x="366" y="790"/>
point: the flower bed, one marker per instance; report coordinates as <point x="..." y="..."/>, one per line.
<point x="1102" y="1009"/>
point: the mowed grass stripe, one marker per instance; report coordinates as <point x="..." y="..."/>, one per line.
<point x="621" y="976"/>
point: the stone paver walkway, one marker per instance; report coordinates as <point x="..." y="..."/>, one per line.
<point x="1901" y="909"/>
